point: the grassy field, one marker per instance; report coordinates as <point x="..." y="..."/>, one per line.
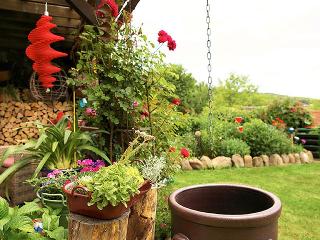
<point x="298" y="187"/>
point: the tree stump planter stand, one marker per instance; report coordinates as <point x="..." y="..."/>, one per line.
<point x="142" y="218"/>
<point x="86" y="228"/>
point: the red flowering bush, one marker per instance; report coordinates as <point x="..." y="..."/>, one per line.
<point x="279" y="123"/>
<point x="293" y="113"/>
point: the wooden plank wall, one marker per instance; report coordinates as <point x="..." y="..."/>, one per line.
<point x="18" y="18"/>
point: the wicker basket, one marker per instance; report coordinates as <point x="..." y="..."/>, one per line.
<point x="18" y="190"/>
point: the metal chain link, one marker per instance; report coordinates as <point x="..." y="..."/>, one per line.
<point x="209" y="57"/>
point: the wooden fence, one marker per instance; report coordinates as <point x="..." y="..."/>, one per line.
<point x="312" y="138"/>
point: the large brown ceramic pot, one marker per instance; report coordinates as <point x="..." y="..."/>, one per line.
<point x="224" y="212"/>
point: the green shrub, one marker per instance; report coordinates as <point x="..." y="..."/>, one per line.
<point x="265" y="139"/>
<point x="225" y="114"/>
<point x="221" y="130"/>
<point x="291" y="112"/>
<point x="229" y="114"/>
<point x="296" y="148"/>
<point x="233" y="146"/>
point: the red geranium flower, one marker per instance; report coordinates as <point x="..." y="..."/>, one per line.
<point x="238" y="119"/>
<point x="184" y="152"/>
<point x="172" y="149"/>
<point x="163" y="36"/>
<point x="279" y="120"/>
<point x="162" y="33"/>
<point x="240" y="129"/>
<point x="172" y="45"/>
<point x="176" y="101"/>
<point x="58" y="118"/>
<point x="112" y="5"/>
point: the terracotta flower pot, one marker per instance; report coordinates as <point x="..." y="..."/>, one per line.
<point x="78" y="203"/>
<point x="224" y="212"/>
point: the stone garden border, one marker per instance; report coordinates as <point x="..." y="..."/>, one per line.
<point x="247" y="161"/>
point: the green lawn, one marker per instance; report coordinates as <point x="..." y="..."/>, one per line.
<point x="298" y="187"/>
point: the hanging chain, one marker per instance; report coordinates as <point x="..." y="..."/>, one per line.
<point x="209" y="57"/>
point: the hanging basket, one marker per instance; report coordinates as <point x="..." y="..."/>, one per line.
<point x="59" y="91"/>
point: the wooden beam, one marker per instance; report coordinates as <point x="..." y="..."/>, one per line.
<point x="85" y="10"/>
<point x="51" y="2"/>
<point x="132" y="5"/>
<point x="31" y="20"/>
<point x="38" y="8"/>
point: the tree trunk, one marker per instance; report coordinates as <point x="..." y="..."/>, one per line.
<point x="85" y="228"/>
<point x="141" y="224"/>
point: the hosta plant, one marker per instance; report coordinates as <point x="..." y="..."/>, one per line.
<point x="18" y="223"/>
<point x="58" y="147"/>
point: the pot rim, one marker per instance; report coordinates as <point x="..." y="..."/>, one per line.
<point x="222" y="220"/>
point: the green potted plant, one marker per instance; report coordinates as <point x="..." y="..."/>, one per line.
<point x="58" y="147"/>
<point x="112" y="190"/>
<point x="107" y="194"/>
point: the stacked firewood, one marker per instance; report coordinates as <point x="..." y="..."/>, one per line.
<point x="17" y="119"/>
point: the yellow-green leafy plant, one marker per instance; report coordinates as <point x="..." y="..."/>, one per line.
<point x="113" y="185"/>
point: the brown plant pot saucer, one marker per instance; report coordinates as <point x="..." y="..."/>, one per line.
<point x="78" y="203"/>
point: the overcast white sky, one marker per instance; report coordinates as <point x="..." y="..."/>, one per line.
<point x="275" y="42"/>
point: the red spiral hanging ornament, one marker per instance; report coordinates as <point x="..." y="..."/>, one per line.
<point x="41" y="52"/>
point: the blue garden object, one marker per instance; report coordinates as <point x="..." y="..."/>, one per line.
<point x="83" y="102"/>
<point x="291" y="130"/>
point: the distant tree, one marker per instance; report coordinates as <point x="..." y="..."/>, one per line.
<point x="193" y="96"/>
<point x="199" y="97"/>
<point x="234" y="91"/>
